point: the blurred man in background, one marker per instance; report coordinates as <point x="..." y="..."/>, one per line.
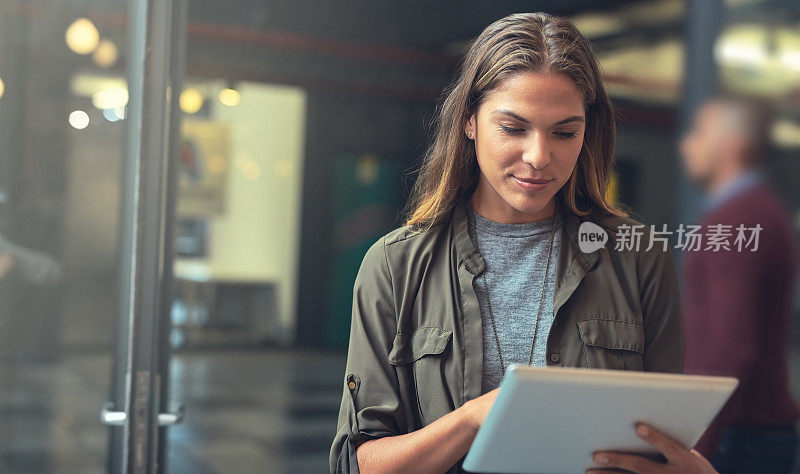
<point x="738" y="303"/>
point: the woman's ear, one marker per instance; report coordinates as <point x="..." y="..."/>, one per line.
<point x="469" y="127"/>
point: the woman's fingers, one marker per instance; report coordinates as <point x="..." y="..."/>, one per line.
<point x="628" y="462"/>
<point x="679" y="459"/>
<point x="668" y="447"/>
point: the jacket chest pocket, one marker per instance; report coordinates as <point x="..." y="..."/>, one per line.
<point x="420" y="360"/>
<point x="612" y="344"/>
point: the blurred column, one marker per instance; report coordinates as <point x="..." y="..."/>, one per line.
<point x="703" y="24"/>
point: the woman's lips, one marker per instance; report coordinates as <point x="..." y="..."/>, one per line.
<point x="532" y="184"/>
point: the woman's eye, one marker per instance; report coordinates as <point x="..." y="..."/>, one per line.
<point x="511" y="129"/>
<point x="566" y="135"/>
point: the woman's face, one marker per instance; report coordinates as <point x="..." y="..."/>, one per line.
<point x="528" y="133"/>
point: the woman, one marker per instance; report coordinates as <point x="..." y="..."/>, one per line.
<point x="488" y="268"/>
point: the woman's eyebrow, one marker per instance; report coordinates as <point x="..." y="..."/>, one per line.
<point x="574" y="118"/>
<point x="511" y="114"/>
<point x="508" y="113"/>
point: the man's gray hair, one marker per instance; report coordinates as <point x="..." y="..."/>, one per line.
<point x="750" y="117"/>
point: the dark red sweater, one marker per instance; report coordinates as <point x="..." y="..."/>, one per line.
<point x="738" y="311"/>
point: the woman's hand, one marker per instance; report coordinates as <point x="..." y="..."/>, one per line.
<point x="432" y="449"/>
<point x="479" y="407"/>
<point x="679" y="460"/>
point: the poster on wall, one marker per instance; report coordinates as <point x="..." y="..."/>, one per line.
<point x="203" y="165"/>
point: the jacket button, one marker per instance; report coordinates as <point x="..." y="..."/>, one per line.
<point x="351" y="385"/>
<point x="555" y="357"/>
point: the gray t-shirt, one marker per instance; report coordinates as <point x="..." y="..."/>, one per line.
<point x="515" y="256"/>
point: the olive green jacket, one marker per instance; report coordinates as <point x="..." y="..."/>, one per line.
<point x="416" y="341"/>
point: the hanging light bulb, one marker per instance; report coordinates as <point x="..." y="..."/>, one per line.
<point x="82" y="36"/>
<point x="230" y="96"/>
<point x="110" y="98"/>
<point x="191" y="101"/>
<point x="79" y="119"/>
<point x="251" y="170"/>
<point x="106" y="54"/>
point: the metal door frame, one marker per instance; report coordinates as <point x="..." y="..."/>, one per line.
<point x="140" y="375"/>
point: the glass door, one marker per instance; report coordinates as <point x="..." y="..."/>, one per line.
<point x="139" y="412"/>
<point x="86" y="125"/>
<point x="149" y="248"/>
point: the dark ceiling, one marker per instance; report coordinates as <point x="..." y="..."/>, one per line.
<point x="418" y="24"/>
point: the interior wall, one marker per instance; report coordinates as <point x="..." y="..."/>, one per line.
<point x="340" y="125"/>
<point x="256" y="237"/>
<point x="654" y="153"/>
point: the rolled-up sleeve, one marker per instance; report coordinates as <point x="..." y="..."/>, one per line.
<point x="370" y="404"/>
<point x="661" y="310"/>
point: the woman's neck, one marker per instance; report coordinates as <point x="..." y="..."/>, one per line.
<point x="503" y="213"/>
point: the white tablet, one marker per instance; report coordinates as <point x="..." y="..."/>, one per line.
<point x="552" y="419"/>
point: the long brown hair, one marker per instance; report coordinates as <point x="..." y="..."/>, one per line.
<point x="520" y="42"/>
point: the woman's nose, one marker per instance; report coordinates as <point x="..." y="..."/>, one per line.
<point x="537" y="151"/>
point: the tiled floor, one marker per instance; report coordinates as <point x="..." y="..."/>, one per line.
<point x="247" y="411"/>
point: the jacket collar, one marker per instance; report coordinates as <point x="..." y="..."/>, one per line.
<point x="465" y="248"/>
<point x="572" y="262"/>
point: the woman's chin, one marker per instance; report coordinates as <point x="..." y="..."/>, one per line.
<point x="531" y="204"/>
<point x="531" y="207"/>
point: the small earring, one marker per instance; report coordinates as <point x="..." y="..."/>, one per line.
<point x="469" y="135"/>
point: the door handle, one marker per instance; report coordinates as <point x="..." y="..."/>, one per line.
<point x="111" y="417"/>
